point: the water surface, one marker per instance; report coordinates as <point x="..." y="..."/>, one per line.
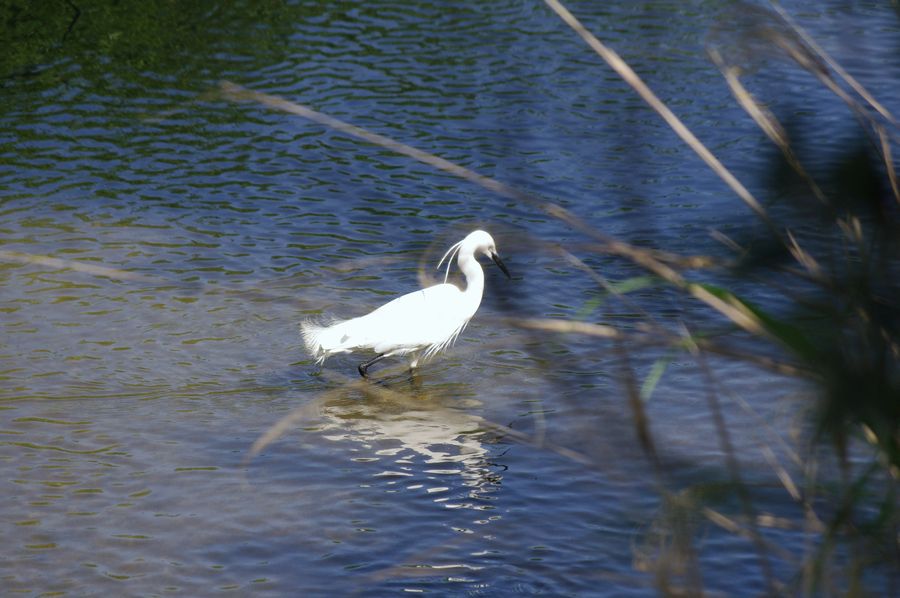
<point x="130" y="398"/>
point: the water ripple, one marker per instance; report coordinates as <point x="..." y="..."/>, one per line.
<point x="166" y="244"/>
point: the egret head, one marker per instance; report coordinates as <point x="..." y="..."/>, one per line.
<point x="480" y="241"/>
<point x="475" y="242"/>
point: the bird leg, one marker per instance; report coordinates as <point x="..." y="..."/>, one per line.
<point x="364" y="366"/>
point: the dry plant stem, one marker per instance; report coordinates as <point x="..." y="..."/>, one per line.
<point x="733" y="527"/>
<point x="630" y="77"/>
<point x="688" y="262"/>
<point x="835" y="66"/>
<point x="809" y="63"/>
<point x="641" y="424"/>
<point x="652" y="336"/>
<point x="604" y="284"/>
<point x="783" y="475"/>
<point x="283" y="425"/>
<point x="734" y="311"/>
<point x="60" y="264"/>
<point x="882" y="144"/>
<point x="645" y="438"/>
<point x="762" y="361"/>
<point x="606" y="331"/>
<point x="889" y="162"/>
<point x="765" y="120"/>
<point x="734" y="467"/>
<point x="812" y="523"/>
<point x="804" y="258"/>
<point x="237" y="93"/>
<point x="306" y="412"/>
<point x="766" y="425"/>
<point x="567" y="327"/>
<point x="539" y="442"/>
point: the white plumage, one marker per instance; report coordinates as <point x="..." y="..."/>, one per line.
<point x="421" y="323"/>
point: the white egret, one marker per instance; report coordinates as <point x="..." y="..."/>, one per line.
<point x="421" y="323"/>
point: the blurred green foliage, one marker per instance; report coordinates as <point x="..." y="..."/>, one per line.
<point x="130" y="40"/>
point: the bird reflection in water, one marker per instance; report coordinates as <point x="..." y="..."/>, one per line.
<point x="420" y="444"/>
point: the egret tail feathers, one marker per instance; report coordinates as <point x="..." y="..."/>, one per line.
<point x="322" y="341"/>
<point x="312" y="333"/>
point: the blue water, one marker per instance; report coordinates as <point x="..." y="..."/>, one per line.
<point x="129" y="402"/>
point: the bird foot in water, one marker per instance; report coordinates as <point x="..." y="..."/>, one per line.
<point x="363" y="368"/>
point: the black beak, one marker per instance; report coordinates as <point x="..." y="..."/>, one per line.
<point x="500" y="263"/>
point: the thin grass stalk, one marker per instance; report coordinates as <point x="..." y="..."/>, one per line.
<point x="645" y="439"/>
<point x="766" y="121"/>
<point x="344" y="384"/>
<point x="237" y="93"/>
<point x="733" y="465"/>
<point x="762" y="361"/>
<point x="639" y="415"/>
<point x="604" y="284"/>
<point x="61" y="264"/>
<point x="811" y="57"/>
<point x="731" y="309"/>
<point x="783" y="476"/>
<point x="889" y="162"/>
<point x="684" y="549"/>
<point x="866" y="121"/>
<point x="654" y="336"/>
<point x="680" y="129"/>
<point x="835" y="66"/>
<point x="686" y="262"/>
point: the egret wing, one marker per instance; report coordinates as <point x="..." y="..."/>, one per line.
<point x="417" y="320"/>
